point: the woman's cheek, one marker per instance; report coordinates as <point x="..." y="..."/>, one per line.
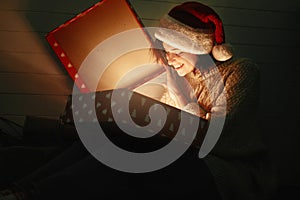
<point x="191" y="59"/>
<point x="186" y="62"/>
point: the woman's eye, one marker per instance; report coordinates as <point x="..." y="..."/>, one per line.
<point x="178" y="53"/>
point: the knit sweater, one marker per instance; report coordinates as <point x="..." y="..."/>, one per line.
<point x="238" y="162"/>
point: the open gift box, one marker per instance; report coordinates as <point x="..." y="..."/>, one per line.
<point x="105" y="47"/>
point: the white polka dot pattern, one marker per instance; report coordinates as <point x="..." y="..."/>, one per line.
<point x="139" y="106"/>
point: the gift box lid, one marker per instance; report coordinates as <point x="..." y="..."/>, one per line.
<point x="91" y="48"/>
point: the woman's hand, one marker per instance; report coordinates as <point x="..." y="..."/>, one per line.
<point x="175" y="88"/>
<point x="171" y="81"/>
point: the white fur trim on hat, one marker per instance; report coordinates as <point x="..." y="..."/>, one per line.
<point x="185" y="38"/>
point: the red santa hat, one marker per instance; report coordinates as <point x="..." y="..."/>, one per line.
<point x="194" y="28"/>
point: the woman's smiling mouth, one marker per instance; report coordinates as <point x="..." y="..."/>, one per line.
<point x="177" y="68"/>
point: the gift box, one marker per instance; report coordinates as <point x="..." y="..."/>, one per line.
<point x="122" y="106"/>
<point x="99" y="48"/>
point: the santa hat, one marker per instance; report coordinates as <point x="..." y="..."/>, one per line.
<point x="194" y="28"/>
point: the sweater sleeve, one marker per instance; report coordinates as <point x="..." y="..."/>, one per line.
<point x="240" y="136"/>
<point x="239" y="161"/>
<point x="241" y="85"/>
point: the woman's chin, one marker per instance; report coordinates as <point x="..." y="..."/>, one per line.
<point x="181" y="73"/>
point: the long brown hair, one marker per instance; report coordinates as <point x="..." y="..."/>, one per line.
<point x="157" y="50"/>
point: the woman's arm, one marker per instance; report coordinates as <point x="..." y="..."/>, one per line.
<point x="241" y="91"/>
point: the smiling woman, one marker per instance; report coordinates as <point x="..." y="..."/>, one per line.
<point x="206" y="79"/>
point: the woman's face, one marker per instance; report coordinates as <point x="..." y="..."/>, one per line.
<point x="182" y="62"/>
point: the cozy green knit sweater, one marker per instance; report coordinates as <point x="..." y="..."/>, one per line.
<point x="238" y="161"/>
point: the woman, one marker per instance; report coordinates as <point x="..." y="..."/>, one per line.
<point x="205" y="79"/>
<point x="192" y="45"/>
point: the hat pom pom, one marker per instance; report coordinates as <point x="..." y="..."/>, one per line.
<point x="222" y="52"/>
